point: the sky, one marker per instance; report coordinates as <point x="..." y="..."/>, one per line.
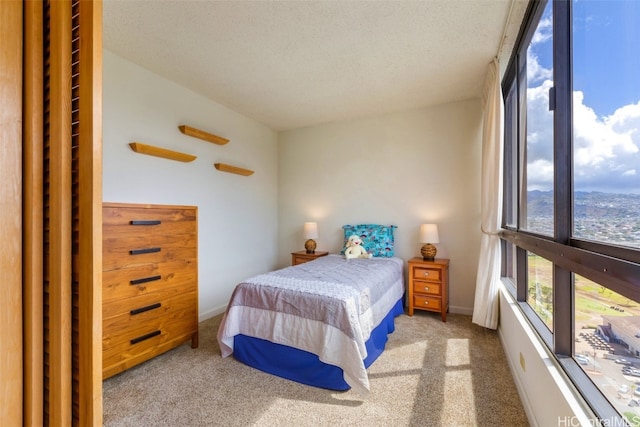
<point x="606" y="109"/>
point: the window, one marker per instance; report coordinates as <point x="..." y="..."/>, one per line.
<point x="606" y="121"/>
<point x="540" y="288"/>
<point x="538" y="167"/>
<point x="571" y="218"/>
<point x="607" y="343"/>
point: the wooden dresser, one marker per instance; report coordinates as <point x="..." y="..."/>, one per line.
<point x="150" y="282"/>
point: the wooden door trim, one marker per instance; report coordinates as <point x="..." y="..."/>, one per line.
<point x="11" y="363"/>
<point x="58" y="257"/>
<point x="33" y="213"/>
<point x="90" y="220"/>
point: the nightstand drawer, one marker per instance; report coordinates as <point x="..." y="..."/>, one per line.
<point x="431" y="274"/>
<point x="301" y="257"/>
<point x="427" y="288"/>
<point x="428" y="303"/>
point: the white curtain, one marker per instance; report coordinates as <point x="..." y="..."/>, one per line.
<point x="485" y="308"/>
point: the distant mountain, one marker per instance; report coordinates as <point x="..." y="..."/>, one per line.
<point x="606" y="217"/>
<point x="540" y="204"/>
<point x="605" y="205"/>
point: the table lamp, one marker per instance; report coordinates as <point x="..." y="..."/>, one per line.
<point x="429" y="235"/>
<point x="310" y="233"/>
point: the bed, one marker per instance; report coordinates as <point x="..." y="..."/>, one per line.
<point x="321" y="323"/>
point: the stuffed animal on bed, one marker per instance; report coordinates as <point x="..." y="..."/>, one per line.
<point x="355" y="248"/>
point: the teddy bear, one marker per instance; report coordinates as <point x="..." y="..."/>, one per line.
<point x="355" y="248"/>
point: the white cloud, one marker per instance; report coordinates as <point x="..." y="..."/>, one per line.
<point x="539" y="138"/>
<point x="606" y="153"/>
<point x="605" y="149"/>
<point x="540" y="175"/>
<point x="596" y="140"/>
<point x="544" y="32"/>
<point x="535" y="71"/>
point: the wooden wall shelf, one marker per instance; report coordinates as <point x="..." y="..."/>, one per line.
<point x="232" y="169"/>
<point x="206" y="136"/>
<point x="141" y="148"/>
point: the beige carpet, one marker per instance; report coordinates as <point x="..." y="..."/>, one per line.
<point x="431" y="374"/>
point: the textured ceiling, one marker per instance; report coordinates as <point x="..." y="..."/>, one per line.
<point x="292" y="64"/>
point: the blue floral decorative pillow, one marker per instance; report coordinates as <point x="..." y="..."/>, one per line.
<point x="376" y="239"/>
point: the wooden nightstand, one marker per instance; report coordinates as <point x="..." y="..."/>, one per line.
<point x="302" y="256"/>
<point x="429" y="286"/>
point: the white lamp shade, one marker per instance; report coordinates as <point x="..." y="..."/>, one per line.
<point x="310" y="230"/>
<point x="429" y="233"/>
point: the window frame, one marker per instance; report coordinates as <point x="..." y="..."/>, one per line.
<point x="616" y="267"/>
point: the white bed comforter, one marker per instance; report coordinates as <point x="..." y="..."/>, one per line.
<point x="327" y="307"/>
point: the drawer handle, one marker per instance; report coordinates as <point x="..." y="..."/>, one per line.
<point x="145" y="337"/>
<point x="143" y="251"/>
<point x="426" y="303"/>
<point x="145" y="222"/>
<point x="145" y="280"/>
<point x="426" y="288"/>
<point x="147" y="308"/>
<point x="426" y="273"/>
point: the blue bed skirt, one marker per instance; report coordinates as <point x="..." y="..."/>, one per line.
<point x="304" y="367"/>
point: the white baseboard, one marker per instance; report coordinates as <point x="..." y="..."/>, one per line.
<point x="202" y="316"/>
<point x="468" y="311"/>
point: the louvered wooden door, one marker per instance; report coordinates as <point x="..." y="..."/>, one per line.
<point x="50" y="362"/>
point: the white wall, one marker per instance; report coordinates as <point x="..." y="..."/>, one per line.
<point x="237" y="215"/>
<point x="402" y="169"/>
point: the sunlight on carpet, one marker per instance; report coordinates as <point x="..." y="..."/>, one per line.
<point x="458" y="384"/>
<point x="457" y="352"/>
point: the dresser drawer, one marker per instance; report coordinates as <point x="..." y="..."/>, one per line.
<point x="429" y="288"/>
<point x="427" y="303"/>
<point x="154" y="337"/>
<point x="130" y="282"/>
<point x="126" y="230"/>
<point x="118" y="221"/>
<point x="118" y="319"/>
<point x="425" y="273"/>
<point x="172" y="320"/>
<point x="140" y="250"/>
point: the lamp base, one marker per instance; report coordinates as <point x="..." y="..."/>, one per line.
<point x="310" y="246"/>
<point x="428" y="252"/>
